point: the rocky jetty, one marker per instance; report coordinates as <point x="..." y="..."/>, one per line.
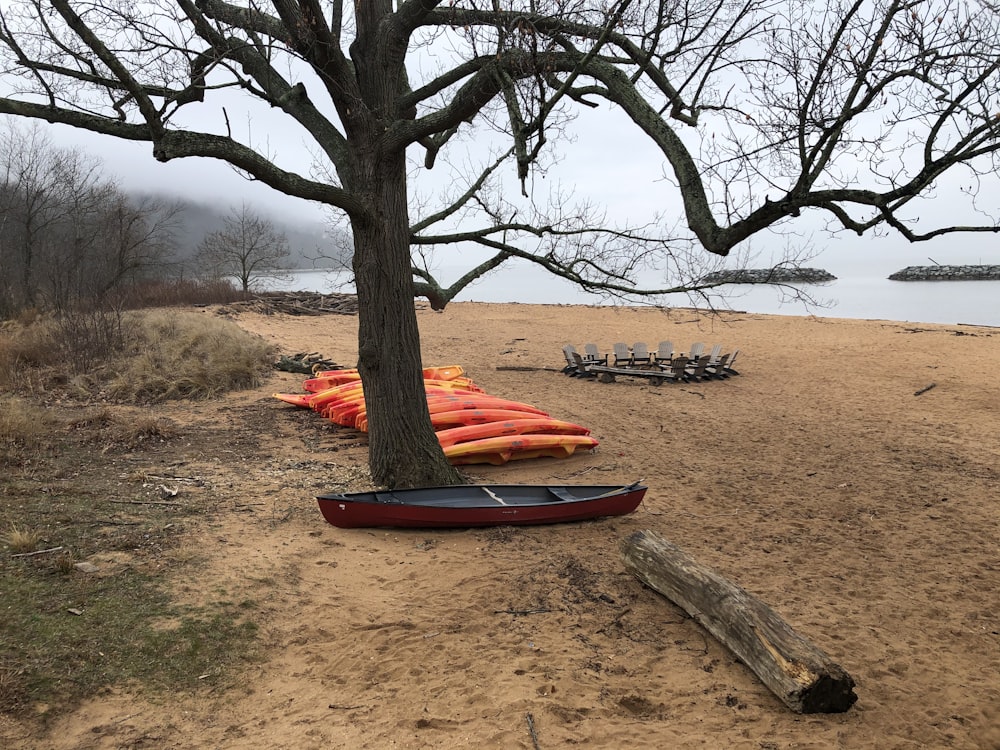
<point x="947" y="273"/>
<point x="769" y="276"/>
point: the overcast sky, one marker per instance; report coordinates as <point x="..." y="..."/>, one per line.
<point x="607" y="160"/>
<point x="200" y="180"/>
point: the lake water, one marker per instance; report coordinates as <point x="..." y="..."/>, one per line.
<point x="951" y="302"/>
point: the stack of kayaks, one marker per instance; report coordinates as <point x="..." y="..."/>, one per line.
<point x="473" y="426"/>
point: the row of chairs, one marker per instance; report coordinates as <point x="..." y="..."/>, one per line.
<point x="659" y="365"/>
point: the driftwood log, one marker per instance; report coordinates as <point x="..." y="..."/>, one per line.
<point x="799" y="673"/>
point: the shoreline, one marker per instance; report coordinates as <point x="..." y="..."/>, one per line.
<point x="865" y="297"/>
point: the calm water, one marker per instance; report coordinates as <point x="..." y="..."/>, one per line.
<point x="973" y="302"/>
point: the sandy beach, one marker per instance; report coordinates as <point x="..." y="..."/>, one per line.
<point x="866" y="515"/>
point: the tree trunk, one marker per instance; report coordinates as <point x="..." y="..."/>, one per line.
<point x="800" y="674"/>
<point x="404" y="450"/>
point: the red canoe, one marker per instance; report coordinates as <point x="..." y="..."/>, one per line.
<point x="479" y="505"/>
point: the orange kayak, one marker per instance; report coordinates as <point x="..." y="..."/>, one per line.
<point x="329" y="378"/>
<point x="529" y="426"/>
<point x="345" y="409"/>
<point x="447" y="402"/>
<point x="444" y="420"/>
<point x="456" y="401"/>
<point x="334" y="395"/>
<point x="500" y="450"/>
<point x="351" y="392"/>
<point x="298" y="399"/>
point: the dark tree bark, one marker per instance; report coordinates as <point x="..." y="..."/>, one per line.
<point x="404" y="451"/>
<point x="403" y="447"/>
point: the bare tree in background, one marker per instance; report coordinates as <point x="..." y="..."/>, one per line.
<point x="37" y="179"/>
<point x="248" y="248"/>
<point x="763" y="111"/>
<point x="68" y="236"/>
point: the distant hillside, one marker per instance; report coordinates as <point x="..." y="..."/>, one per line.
<point x="313" y="245"/>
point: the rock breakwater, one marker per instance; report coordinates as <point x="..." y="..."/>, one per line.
<point x="769" y="276"/>
<point x="947" y="273"/>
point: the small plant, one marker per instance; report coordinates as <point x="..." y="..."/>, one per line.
<point x="63" y="564"/>
<point x="11" y="688"/>
<point x="20" y="541"/>
<point x="25" y="430"/>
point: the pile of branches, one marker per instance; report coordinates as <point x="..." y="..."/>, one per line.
<point x="308" y="364"/>
<point x="296" y="303"/>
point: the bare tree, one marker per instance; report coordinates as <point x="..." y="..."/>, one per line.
<point x="247" y="248"/>
<point x="763" y="110"/>
<point x="69" y="236"/>
<point x="139" y="244"/>
<point x="36" y="177"/>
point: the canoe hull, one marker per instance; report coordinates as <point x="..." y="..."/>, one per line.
<point x="479" y="505"/>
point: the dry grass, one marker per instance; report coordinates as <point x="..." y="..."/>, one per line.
<point x="176" y="355"/>
<point x="24" y="429"/>
<point x="171" y="292"/>
<point x="111" y="427"/>
<point x="11" y="687"/>
<point x="24" y="348"/>
<point x="144" y="357"/>
<point x="20" y="540"/>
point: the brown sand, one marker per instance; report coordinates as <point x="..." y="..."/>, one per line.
<point x="866" y="515"/>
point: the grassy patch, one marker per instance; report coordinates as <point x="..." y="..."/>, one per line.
<point x="69" y="495"/>
<point x="66" y="637"/>
<point x="136" y="357"/>
<point x="25" y="430"/>
<point x="66" y="633"/>
<point x="188" y="356"/>
<point x="22" y="541"/>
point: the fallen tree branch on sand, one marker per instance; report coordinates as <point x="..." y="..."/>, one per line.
<point x="799" y="673"/>
<point x="296" y="303"/>
<point x="37" y="552"/>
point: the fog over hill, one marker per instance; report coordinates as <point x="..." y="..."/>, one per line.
<point x="312" y="244"/>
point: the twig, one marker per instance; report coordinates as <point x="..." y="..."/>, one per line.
<point x="175" y="479"/>
<point x="342" y="707"/>
<point x="146" y="502"/>
<point x="925" y="389"/>
<point x="38" y="552"/>
<point x="531" y="730"/>
<point x="520" y="611"/>
<point x="526" y="368"/>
